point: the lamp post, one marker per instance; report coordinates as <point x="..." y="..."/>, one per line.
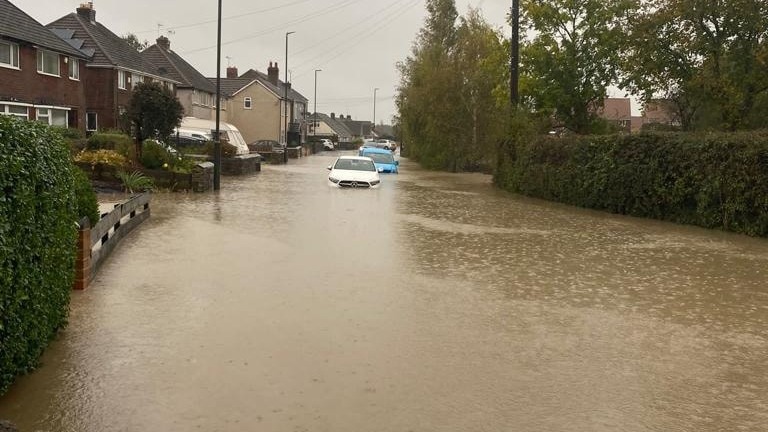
<point x="217" y="138"/>
<point x="314" y="120"/>
<point x="514" y="58"/>
<point x="285" y="95"/>
<point x="374" y="108"/>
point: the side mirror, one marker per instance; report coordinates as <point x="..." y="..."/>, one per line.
<point x="397" y="162"/>
<point x="330" y="167"/>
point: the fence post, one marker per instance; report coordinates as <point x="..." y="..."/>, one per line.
<point x="83" y="260"/>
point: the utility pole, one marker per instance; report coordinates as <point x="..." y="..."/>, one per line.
<point x="285" y="96"/>
<point x="217" y="138"/>
<point x="374" y="108"/>
<point x="314" y="120"/>
<point x="514" y="60"/>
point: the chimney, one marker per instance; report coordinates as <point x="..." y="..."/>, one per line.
<point x="232" y="72"/>
<point x="333" y="115"/>
<point x="87" y="11"/>
<point x="164" y="43"/>
<point x="273" y="73"/>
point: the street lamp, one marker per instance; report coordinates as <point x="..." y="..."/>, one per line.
<point x="285" y="94"/>
<point x="374" y="108"/>
<point x="217" y="138"/>
<point x="314" y="121"/>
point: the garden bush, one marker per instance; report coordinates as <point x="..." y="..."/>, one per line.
<point x="38" y="238"/>
<point x="102" y="162"/>
<point x="154" y="155"/>
<point x="122" y="144"/>
<point x="715" y="180"/>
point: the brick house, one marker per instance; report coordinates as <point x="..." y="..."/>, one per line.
<point x="195" y="92"/>
<point x="40" y="74"/>
<point x="617" y="111"/>
<point x="256" y="106"/>
<point x="115" y="67"/>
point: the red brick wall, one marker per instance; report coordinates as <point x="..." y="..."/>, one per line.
<point x="28" y="86"/>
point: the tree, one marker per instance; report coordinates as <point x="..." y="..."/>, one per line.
<point x="708" y="58"/>
<point x="154" y="112"/>
<point x="573" y="57"/>
<point x="134" y="42"/>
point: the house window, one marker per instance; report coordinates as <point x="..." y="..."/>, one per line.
<point x="91" y="121"/>
<point x="247" y="103"/>
<point x="52" y="116"/>
<point x="74" y="69"/>
<point x="9" y="55"/>
<point x="122" y="80"/>
<point x="135" y="80"/>
<point x="48" y="63"/>
<point x="14" y="110"/>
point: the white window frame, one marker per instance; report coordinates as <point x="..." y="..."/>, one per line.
<point x="13" y="55"/>
<point x="96" y="121"/>
<point x="5" y="109"/>
<point x="41" y="62"/>
<point x="247" y="103"/>
<point x="122" y="80"/>
<point x="45" y="114"/>
<point x="74" y="69"/>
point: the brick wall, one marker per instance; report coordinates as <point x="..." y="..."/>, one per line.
<point x="28" y="86"/>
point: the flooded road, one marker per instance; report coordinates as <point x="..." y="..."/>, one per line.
<point x="435" y="303"/>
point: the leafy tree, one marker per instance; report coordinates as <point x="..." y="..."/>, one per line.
<point x="154" y="112"/>
<point x="708" y="58"/>
<point x="573" y="57"/>
<point x="134" y="42"/>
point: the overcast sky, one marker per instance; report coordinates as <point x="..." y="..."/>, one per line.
<point x="356" y="43"/>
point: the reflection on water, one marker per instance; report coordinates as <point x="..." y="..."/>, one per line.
<point x="433" y="303"/>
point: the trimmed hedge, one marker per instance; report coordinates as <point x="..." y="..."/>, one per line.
<point x="38" y="240"/>
<point x="710" y="180"/>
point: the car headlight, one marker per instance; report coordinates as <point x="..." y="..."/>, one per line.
<point x="375" y="182"/>
<point x="333" y="180"/>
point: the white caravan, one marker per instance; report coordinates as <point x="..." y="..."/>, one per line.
<point x="193" y="127"/>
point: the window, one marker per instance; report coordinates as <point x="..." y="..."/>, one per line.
<point x="91" y="121"/>
<point x="14" y="110"/>
<point x="247" y="103"/>
<point x="9" y="54"/>
<point x="135" y="80"/>
<point x="74" y="69"/>
<point x="52" y="116"/>
<point x="48" y="63"/>
<point x="122" y="78"/>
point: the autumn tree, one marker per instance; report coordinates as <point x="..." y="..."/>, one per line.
<point x="708" y="58"/>
<point x="573" y="56"/>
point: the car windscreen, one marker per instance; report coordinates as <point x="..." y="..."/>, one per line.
<point x="381" y="158"/>
<point x="355" y="165"/>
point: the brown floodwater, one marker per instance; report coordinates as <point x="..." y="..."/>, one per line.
<point x="436" y="303"/>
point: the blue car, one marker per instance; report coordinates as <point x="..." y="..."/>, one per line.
<point x="383" y="159"/>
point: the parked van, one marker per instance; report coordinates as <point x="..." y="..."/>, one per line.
<point x="203" y="129"/>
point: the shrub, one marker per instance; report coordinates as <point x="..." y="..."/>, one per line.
<point x="102" y="161"/>
<point x="122" y="144"/>
<point x="711" y="180"/>
<point x="154" y="155"/>
<point x="135" y="181"/>
<point x="85" y="197"/>
<point x="38" y="238"/>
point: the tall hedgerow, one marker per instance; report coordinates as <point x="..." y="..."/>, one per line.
<point x="38" y="236"/>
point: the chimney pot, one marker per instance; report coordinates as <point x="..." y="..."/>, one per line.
<point x="273" y="73"/>
<point x="87" y="11"/>
<point x="232" y="72"/>
<point x="333" y="115"/>
<point x="164" y="43"/>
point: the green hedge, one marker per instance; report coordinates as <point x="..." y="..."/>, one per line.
<point x="710" y="180"/>
<point x="38" y="239"/>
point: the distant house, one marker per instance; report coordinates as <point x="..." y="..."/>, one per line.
<point x="115" y="68"/>
<point x="195" y="92"/>
<point x="256" y="105"/>
<point x="328" y="127"/>
<point x="358" y="128"/>
<point x="617" y="111"/>
<point x="660" y="111"/>
<point x="40" y="74"/>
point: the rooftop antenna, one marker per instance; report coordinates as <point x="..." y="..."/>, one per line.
<point x="159" y="26"/>
<point x="229" y="61"/>
<point x="170" y="32"/>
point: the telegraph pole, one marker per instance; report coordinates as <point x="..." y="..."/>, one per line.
<point x="514" y="60"/>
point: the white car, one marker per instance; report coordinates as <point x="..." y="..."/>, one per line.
<point x="327" y="144"/>
<point x="353" y="172"/>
